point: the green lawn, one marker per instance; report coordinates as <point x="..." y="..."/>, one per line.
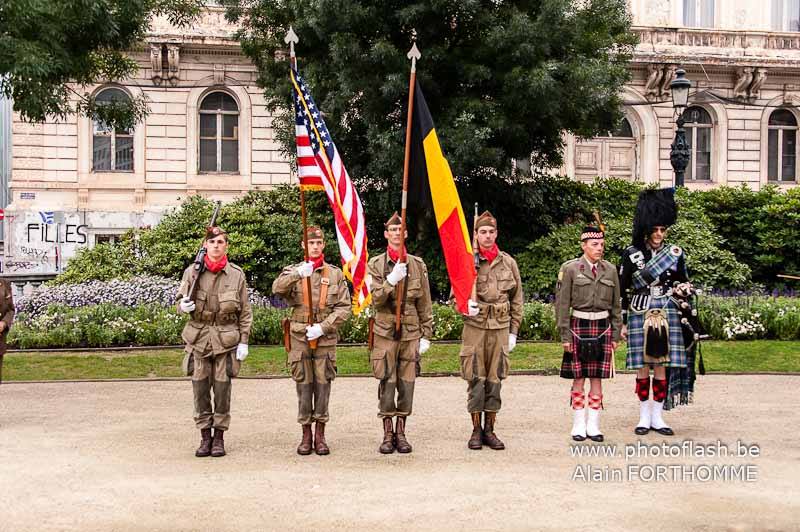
<point x="442" y="358"/>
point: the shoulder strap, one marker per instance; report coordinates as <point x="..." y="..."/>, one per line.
<point x="325" y="282"/>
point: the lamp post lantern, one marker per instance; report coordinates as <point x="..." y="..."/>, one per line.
<point x="679" y="153"/>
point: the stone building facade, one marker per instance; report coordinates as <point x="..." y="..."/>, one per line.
<point x="743" y="58"/>
<point x="74" y="183"/>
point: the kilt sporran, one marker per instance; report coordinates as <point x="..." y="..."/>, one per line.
<point x="592" y="354"/>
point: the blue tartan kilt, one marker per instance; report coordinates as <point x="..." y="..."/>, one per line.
<point x="677" y="350"/>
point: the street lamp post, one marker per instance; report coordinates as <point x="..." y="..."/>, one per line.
<point x="679" y="153"/>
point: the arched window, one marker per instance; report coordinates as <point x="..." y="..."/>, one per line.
<point x="112" y="149"/>
<point x="698" y="137"/>
<point x="623" y="130"/>
<point x="219" y="133"/>
<point x="782" y="146"/>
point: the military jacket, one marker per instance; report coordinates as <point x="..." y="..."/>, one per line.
<point x="222" y="317"/>
<point x="499" y="289"/>
<point x="289" y="286"/>
<point x="634" y="256"/>
<point x="578" y="289"/>
<point x="417" y="320"/>
<point x="6" y="312"/>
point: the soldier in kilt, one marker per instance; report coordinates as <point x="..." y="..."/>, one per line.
<point x="653" y="275"/>
<point x="588" y="314"/>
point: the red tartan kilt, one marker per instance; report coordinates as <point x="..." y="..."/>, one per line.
<point x="571" y="365"/>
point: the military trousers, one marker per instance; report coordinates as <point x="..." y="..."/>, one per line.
<point x="212" y="373"/>
<point x="396" y="365"/>
<point x="312" y="372"/>
<point x="484" y="364"/>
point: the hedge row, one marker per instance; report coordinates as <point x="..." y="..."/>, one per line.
<point x="108" y="325"/>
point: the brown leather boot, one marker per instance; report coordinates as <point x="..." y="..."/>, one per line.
<point x="400" y="435"/>
<point x="205" y="443"/>
<point x="475" y="441"/>
<point x="320" y="447"/>
<point x="387" y="446"/>
<point x="305" y="444"/>
<point x="218" y="445"/>
<point x="489" y="437"/>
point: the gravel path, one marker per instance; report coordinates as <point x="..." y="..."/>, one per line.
<point x="119" y="456"/>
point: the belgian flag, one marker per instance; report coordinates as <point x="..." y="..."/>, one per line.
<point x="433" y="181"/>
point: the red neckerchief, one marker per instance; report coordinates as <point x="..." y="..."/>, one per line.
<point x="491" y="253"/>
<point x="395" y="255"/>
<point x="318" y="261"/>
<point x="215" y="267"/>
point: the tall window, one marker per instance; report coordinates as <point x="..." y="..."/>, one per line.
<point x="786" y="15"/>
<point x="112" y="149"/>
<point x="698" y="136"/>
<point x="698" y="13"/>
<point x="219" y="133"/>
<point x="782" y="146"/>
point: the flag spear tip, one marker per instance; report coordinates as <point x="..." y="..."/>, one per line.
<point x="291" y="37"/>
<point x="414" y="54"/>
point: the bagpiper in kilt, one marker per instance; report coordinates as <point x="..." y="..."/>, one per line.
<point x="589" y="320"/>
<point x="652" y="273"/>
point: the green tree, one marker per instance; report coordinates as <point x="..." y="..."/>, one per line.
<point x="51" y="48"/>
<point x="503" y="80"/>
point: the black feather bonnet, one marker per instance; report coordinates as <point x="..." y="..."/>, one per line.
<point x="655" y="207"/>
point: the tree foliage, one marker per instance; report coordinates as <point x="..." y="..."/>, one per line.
<point x="47" y="46"/>
<point x="503" y="80"/>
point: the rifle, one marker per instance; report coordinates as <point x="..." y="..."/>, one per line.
<point x="199" y="259"/>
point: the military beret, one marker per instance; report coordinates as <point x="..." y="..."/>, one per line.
<point x="485" y="219"/>
<point x="393" y="220"/>
<point x="214" y="232"/>
<point x="314" y="233"/>
<point x="590" y="232"/>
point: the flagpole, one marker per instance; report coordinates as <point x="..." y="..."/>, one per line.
<point x="290" y="39"/>
<point x="400" y="291"/>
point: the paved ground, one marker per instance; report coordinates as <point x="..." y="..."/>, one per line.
<point x="119" y="456"/>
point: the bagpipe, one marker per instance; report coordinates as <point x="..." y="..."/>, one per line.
<point x="685" y="296"/>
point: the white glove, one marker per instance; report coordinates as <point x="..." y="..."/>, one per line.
<point x="242" y="351"/>
<point x="472" y="308"/>
<point x="512" y="342"/>
<point x="313" y="331"/>
<point x="187" y="305"/>
<point x="398" y="273"/>
<point x="305" y="269"/>
<point x="424" y="345"/>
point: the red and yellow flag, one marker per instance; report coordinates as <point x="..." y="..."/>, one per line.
<point x="431" y="170"/>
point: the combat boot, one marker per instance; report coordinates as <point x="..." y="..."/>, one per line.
<point x="400" y="435"/>
<point x="387" y="447"/>
<point x="489" y="437"/>
<point x="205" y="443"/>
<point x="305" y="444"/>
<point x="218" y="445"/>
<point x="475" y="441"/>
<point x="320" y="447"/>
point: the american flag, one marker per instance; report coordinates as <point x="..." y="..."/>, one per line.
<point x="320" y="168"/>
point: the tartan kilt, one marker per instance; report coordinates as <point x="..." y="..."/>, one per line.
<point x="677" y="350"/>
<point x="571" y="365"/>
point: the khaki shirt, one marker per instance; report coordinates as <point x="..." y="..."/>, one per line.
<point x="417" y="319"/>
<point x="577" y="289"/>
<point x="222" y="316"/>
<point x="289" y="285"/>
<point x="499" y="288"/>
<point x="6" y="312"/>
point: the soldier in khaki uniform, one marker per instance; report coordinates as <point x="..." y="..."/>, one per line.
<point x="589" y="318"/>
<point x="490" y="332"/>
<point x="395" y="361"/>
<point x="313" y="369"/>
<point x="6" y="318"/>
<point x="216" y="338"/>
